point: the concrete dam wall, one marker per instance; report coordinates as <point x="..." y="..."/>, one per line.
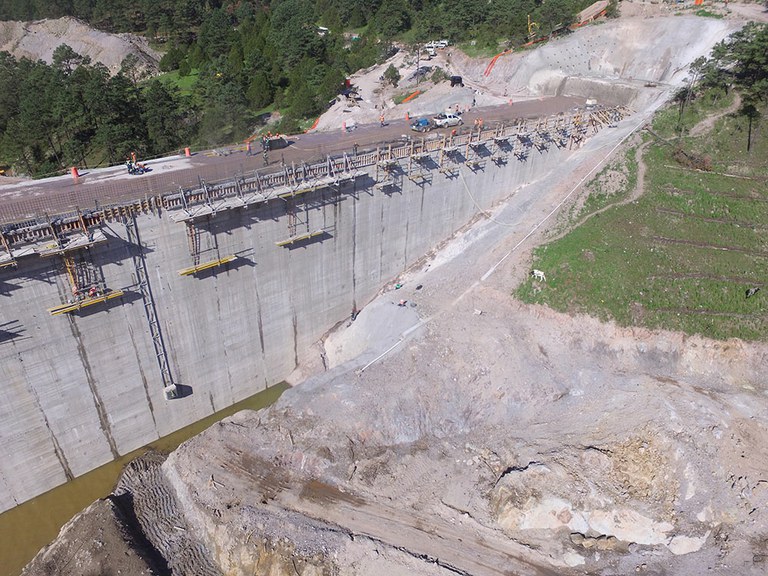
<point x="219" y="293"/>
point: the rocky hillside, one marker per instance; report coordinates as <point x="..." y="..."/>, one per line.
<point x="37" y="41"/>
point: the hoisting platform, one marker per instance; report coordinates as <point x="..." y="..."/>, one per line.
<point x="87" y="287"/>
<point x="86" y="301"/>
<point x="206" y="265"/>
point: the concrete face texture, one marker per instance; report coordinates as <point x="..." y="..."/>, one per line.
<point x="81" y="389"/>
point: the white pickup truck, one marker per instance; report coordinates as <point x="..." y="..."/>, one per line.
<point x="447" y="119"/>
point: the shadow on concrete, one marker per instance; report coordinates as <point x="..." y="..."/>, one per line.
<point x="128" y="297"/>
<point x="429" y="163"/>
<point x="6" y="288"/>
<point x="10" y="331"/>
<point x="389" y="188"/>
<point x="182" y="391"/>
<point x="239" y="262"/>
<point x="226" y="222"/>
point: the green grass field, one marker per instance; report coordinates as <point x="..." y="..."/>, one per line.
<point x="682" y="256"/>
<point x="185" y="84"/>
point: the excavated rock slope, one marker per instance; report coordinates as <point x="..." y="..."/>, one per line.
<point x="515" y="441"/>
<point x="627" y="61"/>
<point x="38" y="40"/>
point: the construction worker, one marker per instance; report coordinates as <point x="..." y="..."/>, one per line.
<point x="381" y="119"/>
<point x="248" y="148"/>
<point x="266" y="156"/>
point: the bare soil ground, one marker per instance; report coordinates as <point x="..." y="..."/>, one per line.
<point x="472" y="434"/>
<point x="37" y="41"/>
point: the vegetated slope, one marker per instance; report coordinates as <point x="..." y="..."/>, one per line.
<point x="38" y="40"/>
<point x="685" y="254"/>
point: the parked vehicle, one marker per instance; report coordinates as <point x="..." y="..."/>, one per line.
<point x="447" y="119"/>
<point x="275" y="142"/>
<point x="421" y="125"/>
<point x="457" y="81"/>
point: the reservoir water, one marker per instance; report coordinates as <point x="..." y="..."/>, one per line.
<point x="24" y="530"/>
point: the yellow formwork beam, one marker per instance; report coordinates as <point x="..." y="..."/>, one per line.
<point x="206" y="266"/>
<point x="297" y="192"/>
<point x="293" y="239"/>
<point x="68" y="308"/>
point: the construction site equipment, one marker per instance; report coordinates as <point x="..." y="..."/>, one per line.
<point x="86" y="282"/>
<point x="85" y="302"/>
<point x="193" y="238"/>
<point x="191" y="218"/>
<point x="142" y="278"/>
<point x="242" y="191"/>
<point x="6" y="259"/>
<point x="299" y="238"/>
<point x="533" y="28"/>
<point x="275" y="142"/>
<point x="206" y="265"/>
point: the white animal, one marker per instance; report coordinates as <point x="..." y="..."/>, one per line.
<point x="538" y="275"/>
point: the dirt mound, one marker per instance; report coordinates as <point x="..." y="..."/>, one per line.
<point x="38" y="40"/>
<point x="555" y="441"/>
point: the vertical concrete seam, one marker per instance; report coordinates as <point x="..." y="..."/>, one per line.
<point x="143" y="376"/>
<point x="354" y="249"/>
<point x="295" y="339"/>
<point x="61" y="457"/>
<point x="407" y="225"/>
<point x="7" y="490"/>
<point x="381" y="244"/>
<point x="100" y="410"/>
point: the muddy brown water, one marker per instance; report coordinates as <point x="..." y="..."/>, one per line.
<point x="24" y="530"/>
